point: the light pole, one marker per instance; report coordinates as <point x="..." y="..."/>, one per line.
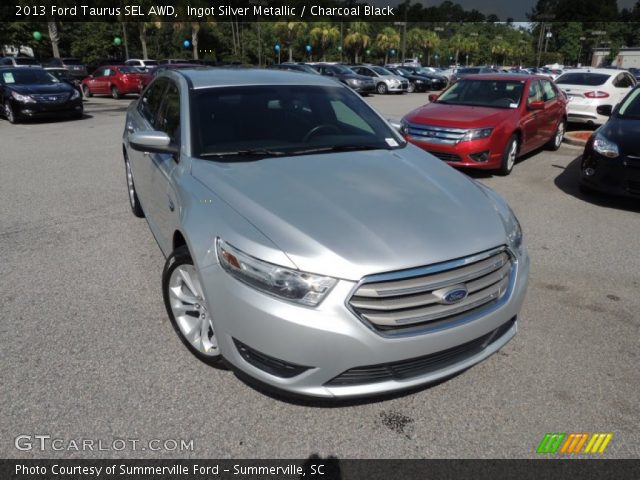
<point x="578" y="62"/>
<point x="404" y="37"/>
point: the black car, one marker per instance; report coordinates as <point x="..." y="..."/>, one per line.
<point x="611" y="158"/>
<point x="435" y="81"/>
<point x="417" y="83"/>
<point x="64" y="75"/>
<point x="293" y="67"/>
<point x="74" y="66"/>
<point x="360" y="83"/>
<point x="35" y="93"/>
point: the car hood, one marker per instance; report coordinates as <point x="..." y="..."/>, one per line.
<point x="348" y="215"/>
<point x="460" y="116"/>
<point x="61" y="87"/>
<point x="625" y="133"/>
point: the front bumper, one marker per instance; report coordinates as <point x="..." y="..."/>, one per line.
<point x="47" y="110"/>
<point x="480" y="154"/>
<point x="397" y="87"/>
<point x="330" y="340"/>
<point x="615" y="176"/>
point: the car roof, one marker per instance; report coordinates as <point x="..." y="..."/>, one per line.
<point x="504" y="76"/>
<point x="224" y="77"/>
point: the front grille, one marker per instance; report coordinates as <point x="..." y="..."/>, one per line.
<point x="433" y="134"/>
<point x="424" y="295"/>
<point x="271" y="365"/>
<point x="415" y="367"/>
<point x="404" y="84"/>
<point x="51" y="97"/>
<point x="446" y="157"/>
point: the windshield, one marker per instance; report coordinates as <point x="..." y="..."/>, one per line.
<point x="630" y="107"/>
<point x="278" y="120"/>
<point x="484" y="93"/>
<point x="28" y="77"/>
<point x="381" y="71"/>
<point x="129" y="70"/>
<point x="583" y="78"/>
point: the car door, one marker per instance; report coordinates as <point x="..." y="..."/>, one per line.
<point x="93" y="81"/>
<point x="164" y="202"/>
<point x="552" y="112"/>
<point x="531" y="119"/>
<point x="143" y="119"/>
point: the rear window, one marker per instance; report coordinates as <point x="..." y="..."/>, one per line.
<point x="26" y="61"/>
<point x="583" y="78"/>
<point x="129" y="69"/>
<point x="71" y="61"/>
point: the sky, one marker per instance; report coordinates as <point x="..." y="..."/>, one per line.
<point x="516" y="9"/>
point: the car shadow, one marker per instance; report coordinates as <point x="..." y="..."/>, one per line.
<point x="569" y="182"/>
<point x="480" y="174"/>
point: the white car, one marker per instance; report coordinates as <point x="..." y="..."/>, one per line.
<point x="140" y="63"/>
<point x="588" y="89"/>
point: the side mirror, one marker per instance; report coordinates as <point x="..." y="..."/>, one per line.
<point x="433" y="97"/>
<point x="605" y="110"/>
<point x="154" y="141"/>
<point x="395" y="124"/>
<point x="536" y="105"/>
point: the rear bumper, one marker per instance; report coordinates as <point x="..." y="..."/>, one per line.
<point x="585" y="113"/>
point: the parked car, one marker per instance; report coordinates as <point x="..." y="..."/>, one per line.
<point x="300" y="240"/>
<point x="28" y="93"/>
<point x="635" y="72"/>
<point x="75" y="66"/>
<point x="115" y="80"/>
<point x="293" y="67"/>
<point x="145" y="65"/>
<point x="168" y="61"/>
<point x="435" y="80"/>
<point x="176" y="66"/>
<point x="487" y="121"/>
<point x="591" y="88"/>
<point x="611" y="158"/>
<point x="417" y="83"/>
<point x="471" y="71"/>
<point x="19" y="61"/>
<point x="362" y="84"/>
<point x="64" y="75"/>
<point x="385" y="81"/>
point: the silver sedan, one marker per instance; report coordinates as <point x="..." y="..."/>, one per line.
<point x="308" y="246"/>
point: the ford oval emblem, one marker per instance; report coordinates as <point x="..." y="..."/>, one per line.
<point x="454" y="295"/>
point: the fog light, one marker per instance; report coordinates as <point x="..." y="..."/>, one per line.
<point x="480" y="156"/>
<point x="589" y="171"/>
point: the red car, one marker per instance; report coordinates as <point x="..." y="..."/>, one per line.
<point x="487" y="121"/>
<point x="115" y="80"/>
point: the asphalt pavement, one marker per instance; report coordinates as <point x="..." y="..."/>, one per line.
<point x="87" y="351"/>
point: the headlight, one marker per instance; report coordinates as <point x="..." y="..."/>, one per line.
<point x="22" y="98"/>
<point x="514" y="236"/>
<point x="404" y="127"/>
<point x="604" y="146"/>
<point x="75" y="94"/>
<point x="476" y="134"/>
<point x="285" y="283"/>
<point x="393" y="81"/>
<point x="419" y="81"/>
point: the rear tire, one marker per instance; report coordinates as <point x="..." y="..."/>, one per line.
<point x="509" y="155"/>
<point x="556" y="141"/>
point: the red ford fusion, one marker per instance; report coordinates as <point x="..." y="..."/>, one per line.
<point x="115" y="80"/>
<point x="487" y="121"/>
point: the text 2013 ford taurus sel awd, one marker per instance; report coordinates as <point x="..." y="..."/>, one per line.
<point x="308" y="244"/>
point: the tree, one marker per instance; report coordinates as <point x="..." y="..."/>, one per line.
<point x="387" y="39"/>
<point x="323" y="35"/>
<point x="457" y="43"/>
<point x="569" y="41"/>
<point x="289" y="31"/>
<point x="54" y="36"/>
<point x="357" y="38"/>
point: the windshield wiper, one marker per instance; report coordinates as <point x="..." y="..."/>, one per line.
<point x="336" y="148"/>
<point x="253" y="152"/>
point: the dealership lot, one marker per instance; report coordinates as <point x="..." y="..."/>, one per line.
<point x="88" y="351"/>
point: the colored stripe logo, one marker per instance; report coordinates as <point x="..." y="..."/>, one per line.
<point x="573" y="443"/>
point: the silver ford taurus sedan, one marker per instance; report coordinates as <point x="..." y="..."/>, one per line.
<point x="307" y="244"/>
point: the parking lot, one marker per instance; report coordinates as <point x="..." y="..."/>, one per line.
<point x="88" y="351"/>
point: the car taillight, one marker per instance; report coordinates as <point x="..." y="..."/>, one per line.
<point x="596" y="94"/>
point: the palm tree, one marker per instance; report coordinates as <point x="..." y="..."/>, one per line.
<point x="387" y="39"/>
<point x="54" y="36"/>
<point x="323" y="35"/>
<point x="457" y="43"/>
<point x="289" y="31"/>
<point x="420" y="39"/>
<point x="357" y="38"/>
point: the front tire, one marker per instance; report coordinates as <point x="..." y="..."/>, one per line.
<point x="556" y="141"/>
<point x="136" y="208"/>
<point x="115" y="93"/>
<point x="509" y="155"/>
<point x="381" y="88"/>
<point x="87" y="93"/>
<point x="184" y="300"/>
<point x="411" y="88"/>
<point x="9" y="113"/>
